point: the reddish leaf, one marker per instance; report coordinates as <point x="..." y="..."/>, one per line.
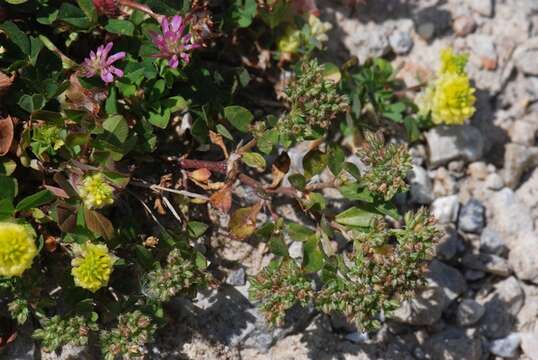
<point x="98" y="223"/>
<point x="5" y="82"/>
<point x="67" y="217"/>
<point x="6" y="135"/>
<point x="243" y="222"/>
<point x="57" y="191"/>
<point x="222" y="199"/>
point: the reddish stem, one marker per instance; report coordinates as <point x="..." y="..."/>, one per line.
<point x="215" y="166"/>
<point x="143" y="8"/>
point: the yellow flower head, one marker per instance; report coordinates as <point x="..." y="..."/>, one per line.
<point x="452" y="63"/>
<point x="92" y="266"/>
<point x="452" y="100"/>
<point x="17" y="249"/>
<point x="96" y="192"/>
<point x="318" y="28"/>
<point x="290" y="41"/>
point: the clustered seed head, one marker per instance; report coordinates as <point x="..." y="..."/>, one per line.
<point x="92" y="266"/>
<point x="96" y="192"/>
<point x="57" y="332"/>
<point x="128" y="339"/>
<point x="389" y="165"/>
<point x="178" y="275"/>
<point x="314" y="100"/>
<point x="279" y="287"/>
<point x="17" y="249"/>
<point x="388" y="265"/>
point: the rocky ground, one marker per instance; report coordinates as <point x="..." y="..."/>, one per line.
<point x="480" y="179"/>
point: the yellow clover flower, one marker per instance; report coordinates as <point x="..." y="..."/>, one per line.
<point x="318" y="28"/>
<point x="17" y="249"/>
<point x="96" y="192"/>
<point x="290" y="41"/>
<point x="452" y="100"/>
<point x="92" y="266"/>
<point x="452" y="63"/>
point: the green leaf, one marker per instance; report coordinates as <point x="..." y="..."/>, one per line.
<point x="16" y="2"/>
<point x="175" y="103"/>
<point x="356" y="192"/>
<point x="336" y="158"/>
<point x="116" y="130"/>
<point x="313" y="257"/>
<point x="121" y="27"/>
<point x="32" y="103"/>
<point x="6" y="209"/>
<point x="315" y="201"/>
<point x="413" y="131"/>
<point x="144" y="257"/>
<point x="353" y="170"/>
<point x="355" y="216"/>
<point x="395" y="112"/>
<point x="267" y="141"/>
<point x="298" y="181"/>
<point x="8" y="187"/>
<point x="111" y="103"/>
<point x="239" y="117"/>
<point x="196" y="229"/>
<point x="159" y="119"/>
<point x="89" y="9"/>
<point x="278" y="246"/>
<point x="200" y="261"/>
<point x="224" y="132"/>
<point x="298" y="232"/>
<point x="18" y="37"/>
<point x="387" y="208"/>
<point x="73" y="15"/>
<point x="40" y="198"/>
<point x="7" y="167"/>
<point x="254" y="160"/>
<point x="314" y="163"/>
<point x="242" y="12"/>
<point x="331" y="72"/>
<point x="35" y="48"/>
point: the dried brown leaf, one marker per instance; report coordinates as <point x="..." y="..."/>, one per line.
<point x="280" y="168"/>
<point x="243" y="222"/>
<point x="222" y="199"/>
<point x="218" y="140"/>
<point x="6" y="135"/>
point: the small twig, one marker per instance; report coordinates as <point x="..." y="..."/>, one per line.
<point x="156" y="188"/>
<point x="322" y="185"/>
<point x="256" y="185"/>
<point x="172" y="209"/>
<point x="147" y="209"/>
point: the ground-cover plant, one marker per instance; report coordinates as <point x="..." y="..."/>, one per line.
<point x="125" y="125"/>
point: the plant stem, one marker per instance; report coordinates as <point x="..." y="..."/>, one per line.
<point x="143" y="8"/>
<point x="215" y="166"/>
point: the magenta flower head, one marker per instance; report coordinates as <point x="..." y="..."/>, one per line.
<point x="100" y="63"/>
<point x="172" y="43"/>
